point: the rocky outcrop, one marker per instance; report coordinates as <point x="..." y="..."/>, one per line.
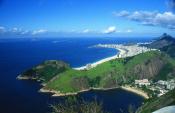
<point x="80" y="83"/>
<point x="149" y="69"/>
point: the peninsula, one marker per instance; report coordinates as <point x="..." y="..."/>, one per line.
<point x="139" y="68"/>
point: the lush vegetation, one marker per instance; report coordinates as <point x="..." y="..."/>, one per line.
<point x="153" y="65"/>
<point x="156" y="103"/>
<point x="74" y="105"/>
<point x="58" y="76"/>
<point x="46" y="71"/>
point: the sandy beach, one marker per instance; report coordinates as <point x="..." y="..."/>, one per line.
<point x="124" y="51"/>
<point x="135" y="90"/>
<point x="121" y="51"/>
<point x="127" y="88"/>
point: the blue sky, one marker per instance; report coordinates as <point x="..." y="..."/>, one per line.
<point x="130" y="18"/>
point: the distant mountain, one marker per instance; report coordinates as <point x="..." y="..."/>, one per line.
<point x="158" y="103"/>
<point x="165" y="43"/>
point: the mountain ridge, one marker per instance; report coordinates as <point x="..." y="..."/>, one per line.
<point x="165" y="43"/>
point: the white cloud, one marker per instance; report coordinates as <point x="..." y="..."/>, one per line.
<point x="25" y="32"/>
<point x="41" y="31"/>
<point x="86" y="31"/>
<point x="166" y="19"/>
<point x="110" y="30"/>
<point x="14" y="29"/>
<point x="122" y="13"/>
<point x="2" y="29"/>
<point x="129" y="31"/>
<point x="20" y="31"/>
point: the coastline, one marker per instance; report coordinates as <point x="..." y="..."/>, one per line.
<point x="20" y="77"/>
<point x="124" y="51"/>
<point x="126" y="88"/>
<point x="58" y="93"/>
<point x="136" y="91"/>
<point x="121" y="52"/>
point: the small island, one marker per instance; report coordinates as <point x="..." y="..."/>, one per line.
<point x="138" y="68"/>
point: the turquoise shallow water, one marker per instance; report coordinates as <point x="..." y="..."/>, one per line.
<point x="17" y="55"/>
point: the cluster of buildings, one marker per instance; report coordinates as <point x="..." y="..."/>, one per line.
<point x="126" y="50"/>
<point x="144" y="82"/>
<point x="159" y="88"/>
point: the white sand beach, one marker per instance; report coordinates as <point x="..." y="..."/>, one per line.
<point x="135" y="90"/>
<point x="92" y="65"/>
<point x="124" y="51"/>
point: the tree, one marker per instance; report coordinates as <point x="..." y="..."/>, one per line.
<point x="74" y="105"/>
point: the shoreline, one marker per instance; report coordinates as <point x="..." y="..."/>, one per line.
<point x="58" y="93"/>
<point x="124" y="51"/>
<point x="126" y="88"/>
<point x="20" y="77"/>
<point x="136" y="91"/>
<point x="121" y="52"/>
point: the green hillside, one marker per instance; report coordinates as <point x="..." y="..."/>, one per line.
<point x="46" y="71"/>
<point x="158" y="103"/>
<point x="60" y="77"/>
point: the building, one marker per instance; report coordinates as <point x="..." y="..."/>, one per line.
<point x="170" y="86"/>
<point x="144" y="82"/>
<point x="88" y="66"/>
<point x="161" y="82"/>
<point x="166" y="84"/>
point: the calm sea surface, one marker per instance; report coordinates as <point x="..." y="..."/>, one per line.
<point x="17" y="55"/>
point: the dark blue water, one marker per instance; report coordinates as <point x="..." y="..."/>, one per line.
<point x="17" y="55"/>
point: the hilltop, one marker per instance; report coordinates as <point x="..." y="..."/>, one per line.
<point x="165" y="43"/>
<point x="45" y="71"/>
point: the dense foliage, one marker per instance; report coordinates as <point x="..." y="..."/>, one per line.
<point x="74" y="105"/>
<point x="156" y="103"/>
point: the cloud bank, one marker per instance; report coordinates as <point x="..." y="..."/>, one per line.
<point x="166" y="19"/>
<point x="40" y="31"/>
<point x="20" y="31"/>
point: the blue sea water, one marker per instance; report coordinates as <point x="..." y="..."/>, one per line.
<point x="17" y="55"/>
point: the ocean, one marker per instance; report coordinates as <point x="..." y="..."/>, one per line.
<point x="17" y="55"/>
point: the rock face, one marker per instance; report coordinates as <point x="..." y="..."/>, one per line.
<point x="80" y="83"/>
<point x="152" y="65"/>
<point x="149" y="69"/>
